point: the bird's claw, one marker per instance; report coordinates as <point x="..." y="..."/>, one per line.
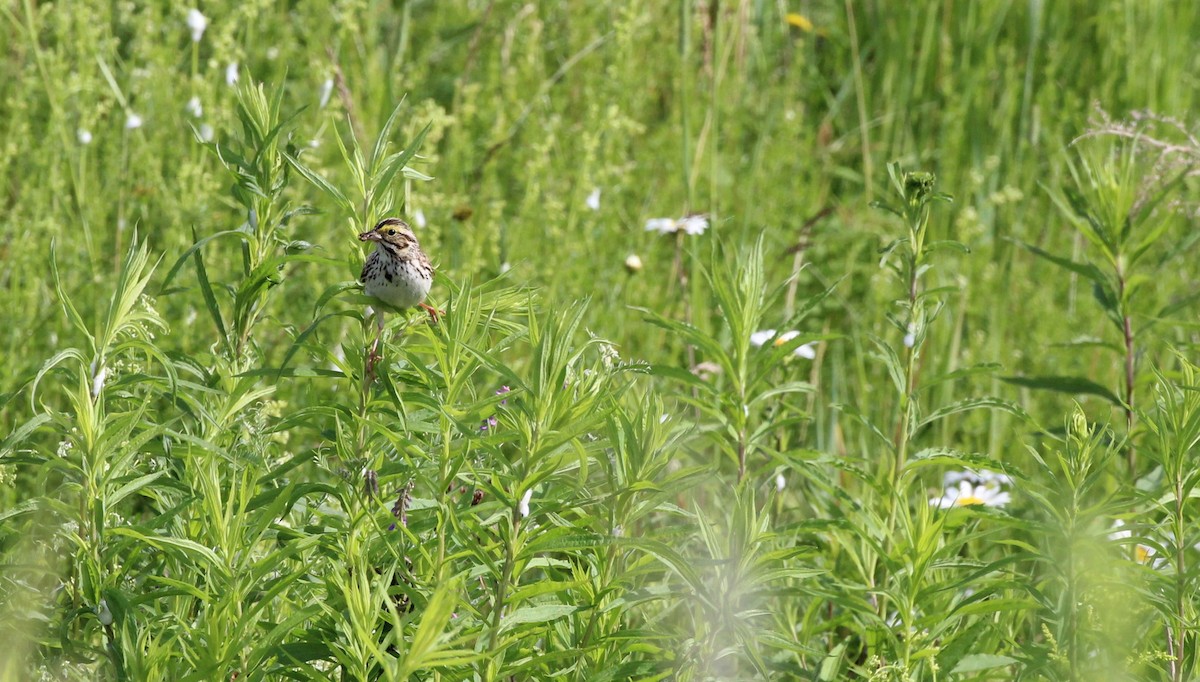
<point x="434" y="313"/>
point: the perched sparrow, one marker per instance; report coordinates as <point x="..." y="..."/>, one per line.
<point x="398" y="271"/>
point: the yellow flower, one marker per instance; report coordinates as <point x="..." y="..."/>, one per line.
<point x="799" y="21"/>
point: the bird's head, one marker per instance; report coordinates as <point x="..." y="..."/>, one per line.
<point x="392" y="234"/>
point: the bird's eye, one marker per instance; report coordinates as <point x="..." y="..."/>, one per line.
<point x="391" y="232"/>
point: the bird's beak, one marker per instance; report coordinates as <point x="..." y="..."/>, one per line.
<point x="369" y="236"/>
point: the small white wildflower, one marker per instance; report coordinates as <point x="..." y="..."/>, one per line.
<point x="807" y="351"/>
<point x="760" y="337"/>
<point x="231" y="73"/>
<point x="194" y="108"/>
<point x="326" y="91"/>
<point x="780" y="482"/>
<point x="1143" y="554"/>
<point x="707" y="370"/>
<point x="968" y="495"/>
<point x="981" y="477"/>
<point x="64" y="447"/>
<point x="694" y="224"/>
<point x="618" y="531"/>
<point x="206" y="132"/>
<point x="98" y="381"/>
<point x="505" y="267"/>
<point x="662" y="225"/>
<point x="272" y="53"/>
<point x="197" y="22"/>
<point x="419" y="218"/>
<point x="523" y="507"/>
<point x="314" y="143"/>
<point x="133" y="121"/>
<point x="633" y="263"/>
<point x="84" y="136"/>
<point x="910" y="337"/>
<point x="593" y="200"/>
<point x="609" y="354"/>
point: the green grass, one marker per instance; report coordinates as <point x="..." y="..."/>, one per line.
<point x="587" y="471"/>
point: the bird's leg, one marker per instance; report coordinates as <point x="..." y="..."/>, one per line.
<point x="433" y="312"/>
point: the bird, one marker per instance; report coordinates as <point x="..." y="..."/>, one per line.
<point x="397" y="272"/>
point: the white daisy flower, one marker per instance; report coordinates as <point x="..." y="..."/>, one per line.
<point x="662" y="225"/>
<point x="593" y="200"/>
<point x="981" y="477"/>
<point x="633" y="263"/>
<point x="194" y="108"/>
<point x="780" y="482"/>
<point x="760" y="337"/>
<point x="206" y="133"/>
<point x="523" y="507"/>
<point x="326" y="91"/>
<point x="968" y="495"/>
<point x="84" y="136"/>
<point x="807" y="351"/>
<point x="133" y="121"/>
<point x="694" y="224"/>
<point x="231" y="73"/>
<point x="419" y="218"/>
<point x="197" y="22"/>
<point x="1143" y="554"/>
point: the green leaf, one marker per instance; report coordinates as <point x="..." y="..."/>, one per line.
<point x="892" y="362"/>
<point x="975" y="662"/>
<point x="322" y="184"/>
<point x="23" y="431"/>
<point x="400" y="160"/>
<point x="68" y="306"/>
<point x="537" y="614"/>
<point x="331" y="291"/>
<point x="1086" y="269"/>
<point x="947" y="244"/>
<point x="132" y="487"/>
<point x="188" y="547"/>
<point x="210" y="299"/>
<point x="981" y="368"/>
<point x="23" y="508"/>
<point x="1063" y="384"/>
<point x="304" y="336"/>
<point x="973" y="404"/>
<point x="240" y="233"/>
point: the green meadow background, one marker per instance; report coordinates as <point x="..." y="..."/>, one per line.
<point x="586" y="470"/>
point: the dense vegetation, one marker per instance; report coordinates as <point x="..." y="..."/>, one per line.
<point x="794" y="340"/>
